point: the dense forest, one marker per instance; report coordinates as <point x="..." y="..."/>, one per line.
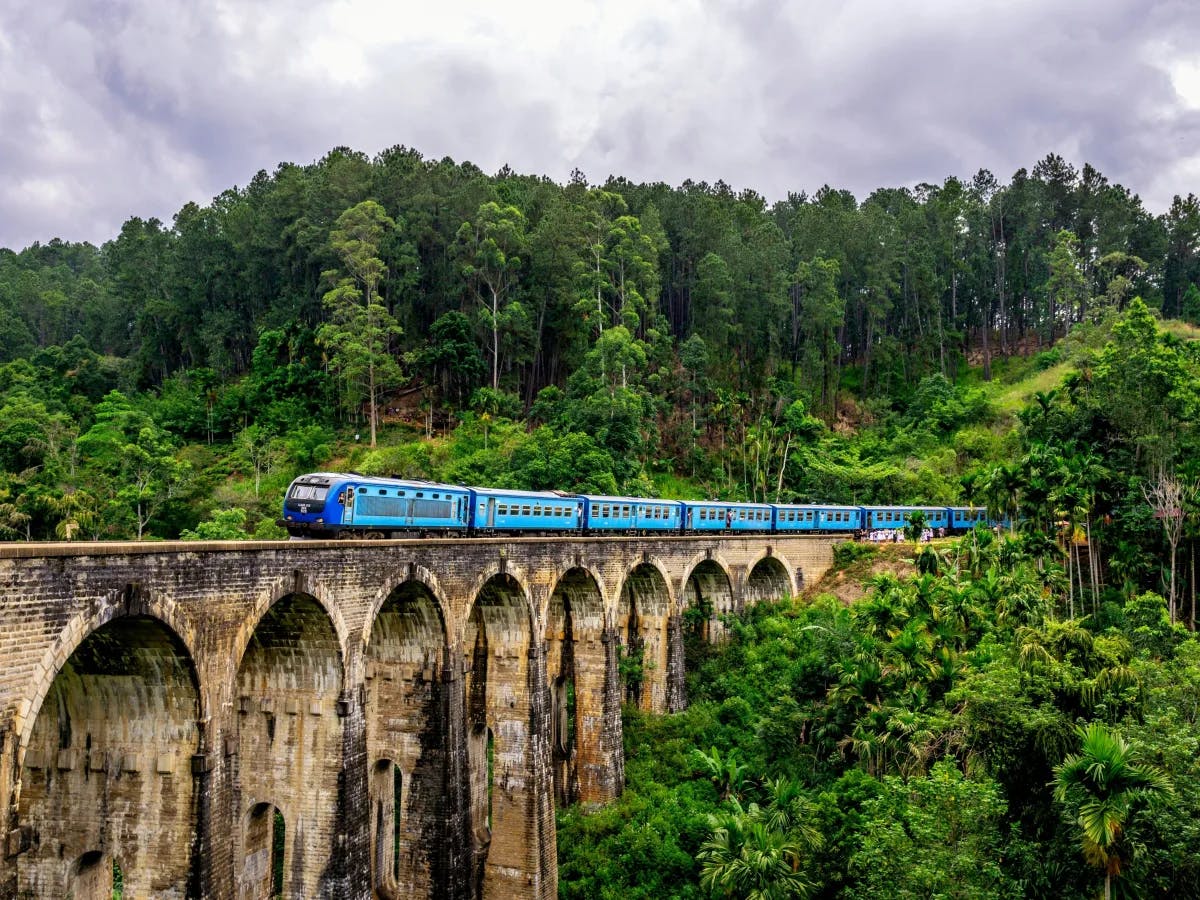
<point x="816" y="348"/>
<point x="1017" y="718"/>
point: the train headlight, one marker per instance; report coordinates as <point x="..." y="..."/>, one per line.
<point x="320" y="521"/>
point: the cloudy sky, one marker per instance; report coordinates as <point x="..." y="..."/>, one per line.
<point x="114" y="108"/>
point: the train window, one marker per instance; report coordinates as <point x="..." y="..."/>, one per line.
<point x="625" y="511"/>
<point x="382" y="492"/>
<point x="524" y="510"/>
<point x="362" y="490"/>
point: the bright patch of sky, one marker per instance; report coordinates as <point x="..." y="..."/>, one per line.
<point x="115" y="108"/>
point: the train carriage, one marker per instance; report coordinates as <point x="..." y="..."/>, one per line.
<point x="498" y="510"/>
<point x="964" y="518"/>
<point x="715" y="516"/>
<point x="790" y="517"/>
<point x="896" y="517"/>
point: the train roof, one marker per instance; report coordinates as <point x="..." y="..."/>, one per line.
<point x="379" y="479"/>
<point x="724" y="503"/>
<point x="607" y="498"/>
<point x="912" y="506"/>
<point x="533" y="495"/>
<point x="816" y="506"/>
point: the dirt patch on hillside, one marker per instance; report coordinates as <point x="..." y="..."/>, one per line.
<point x="849" y="582"/>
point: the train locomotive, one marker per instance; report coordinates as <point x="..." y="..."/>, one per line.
<point x="339" y="504"/>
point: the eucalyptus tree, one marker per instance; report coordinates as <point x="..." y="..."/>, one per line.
<point x="493" y="249"/>
<point x="360" y="329"/>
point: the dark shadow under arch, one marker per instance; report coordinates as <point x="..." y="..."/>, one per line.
<point x="643" y="613"/>
<point x="109" y="765"/>
<point x="407" y="710"/>
<point x="290" y="732"/>
<point x="768" y="581"/>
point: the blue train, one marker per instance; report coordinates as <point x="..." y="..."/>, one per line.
<point x="333" y="504"/>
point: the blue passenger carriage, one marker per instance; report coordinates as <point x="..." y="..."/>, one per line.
<point x="716" y="516"/>
<point x="791" y="517"/>
<point x="896" y="517"/>
<point x="630" y="514"/>
<point x="499" y="510"/>
<point x="964" y="518"/>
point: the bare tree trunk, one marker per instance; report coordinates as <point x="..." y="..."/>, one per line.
<point x="495" y="341"/>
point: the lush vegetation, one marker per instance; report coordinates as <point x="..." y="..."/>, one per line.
<point x="952" y="734"/>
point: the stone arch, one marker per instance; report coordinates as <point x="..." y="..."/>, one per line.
<point x="290" y="711"/>
<point x="708" y="585"/>
<point x="408" y="738"/>
<point x="768" y="578"/>
<point x="585" y="712"/>
<point x="415" y="574"/>
<point x="504" y="722"/>
<point x="517" y="594"/>
<point x="129" y="600"/>
<point x="108" y="765"/>
<point x="298" y="583"/>
<point x="92" y="876"/>
<point x="642" y="623"/>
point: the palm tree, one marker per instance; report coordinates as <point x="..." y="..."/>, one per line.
<point x="915" y="526"/>
<point x="1099" y="789"/>
<point x="727" y="773"/>
<point x="744" y="857"/>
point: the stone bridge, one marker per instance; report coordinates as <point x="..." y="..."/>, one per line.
<point x="344" y="719"/>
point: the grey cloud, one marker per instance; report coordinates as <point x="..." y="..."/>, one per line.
<point x="109" y="110"/>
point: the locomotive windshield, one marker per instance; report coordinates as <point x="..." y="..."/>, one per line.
<point x="308" y="492"/>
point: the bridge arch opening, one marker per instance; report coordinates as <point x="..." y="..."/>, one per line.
<point x="643" y="612"/>
<point x="289" y="734"/>
<point x="406" y="718"/>
<point x="96" y="876"/>
<point x="386" y="810"/>
<point x="108" y="766"/>
<point x="500" y="681"/>
<point x="707" y="597"/>
<point x="265" y="852"/>
<point x="576" y="669"/>
<point x="768" y="581"/>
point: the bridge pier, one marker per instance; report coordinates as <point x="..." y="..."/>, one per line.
<point x="344" y="719"/>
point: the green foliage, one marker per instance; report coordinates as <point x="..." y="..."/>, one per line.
<point x="225" y="525"/>
<point x="936" y="835"/>
<point x="1099" y="789"/>
<point x="849" y="552"/>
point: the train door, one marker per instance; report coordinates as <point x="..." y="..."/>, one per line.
<point x="491" y="512"/>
